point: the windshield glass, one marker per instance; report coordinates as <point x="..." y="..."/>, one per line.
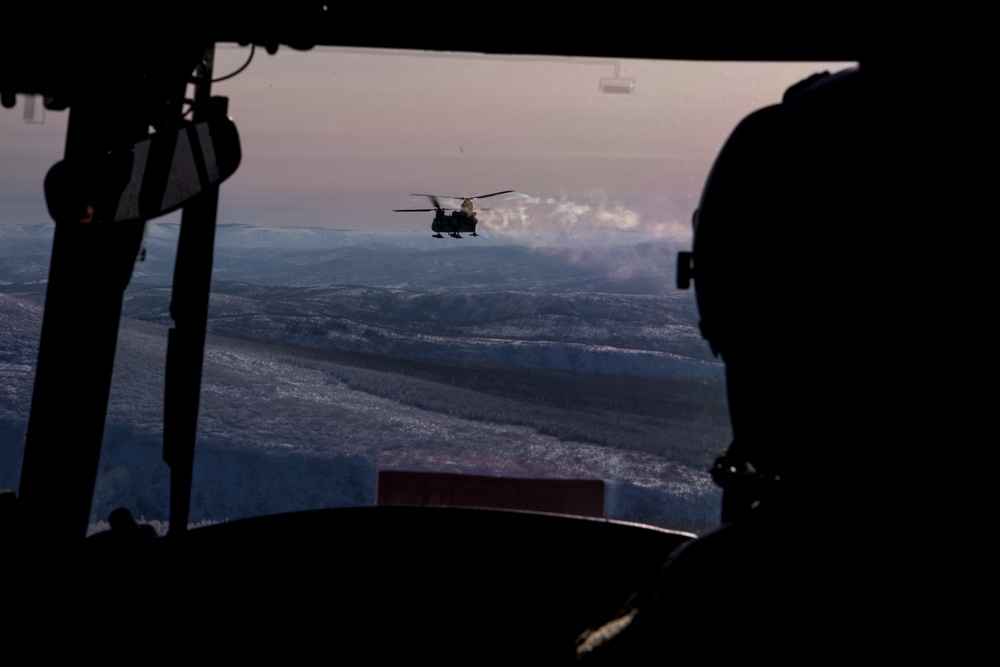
<point x="353" y="335"/>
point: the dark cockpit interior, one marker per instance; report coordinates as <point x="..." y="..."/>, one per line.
<point x="148" y="137"/>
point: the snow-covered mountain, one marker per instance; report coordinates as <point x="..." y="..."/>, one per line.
<point x="333" y="354"/>
<point x="620" y="262"/>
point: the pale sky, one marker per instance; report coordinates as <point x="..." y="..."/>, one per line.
<point x="338" y="138"/>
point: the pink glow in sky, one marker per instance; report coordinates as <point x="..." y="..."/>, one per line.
<point x="338" y="138"/>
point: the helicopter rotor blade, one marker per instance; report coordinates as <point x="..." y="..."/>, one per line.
<point x="433" y="198"/>
<point x="492" y="194"/>
<point x="422" y="210"/>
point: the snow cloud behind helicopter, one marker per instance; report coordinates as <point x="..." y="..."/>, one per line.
<point x="532" y="215"/>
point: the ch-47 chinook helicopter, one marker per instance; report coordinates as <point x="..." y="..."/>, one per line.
<point x="462" y="219"/>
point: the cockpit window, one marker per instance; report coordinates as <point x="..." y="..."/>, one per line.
<point x="361" y="350"/>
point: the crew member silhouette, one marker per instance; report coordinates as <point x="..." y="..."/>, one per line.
<point x="780" y="298"/>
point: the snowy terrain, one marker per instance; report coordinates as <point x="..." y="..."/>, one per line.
<point x="333" y="354"/>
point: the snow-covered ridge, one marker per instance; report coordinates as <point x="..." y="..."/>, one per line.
<point x="614" y="262"/>
<point x="333" y="353"/>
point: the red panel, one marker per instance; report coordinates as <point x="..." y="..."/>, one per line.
<point x="579" y="497"/>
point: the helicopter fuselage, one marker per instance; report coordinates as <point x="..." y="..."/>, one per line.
<point x="454" y="223"/>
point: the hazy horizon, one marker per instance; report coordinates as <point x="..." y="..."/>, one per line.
<point x="341" y="137"/>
